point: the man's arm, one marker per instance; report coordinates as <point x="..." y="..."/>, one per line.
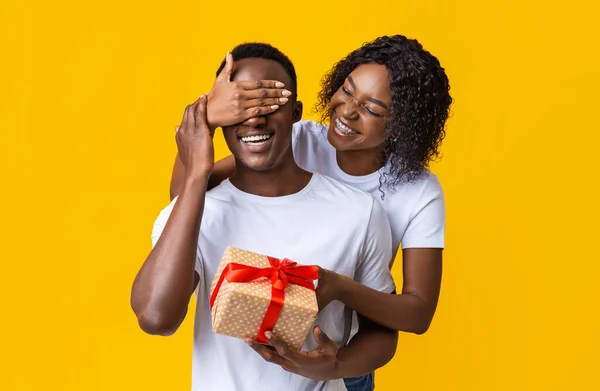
<point x="162" y="288"/>
<point x="372" y="347"/>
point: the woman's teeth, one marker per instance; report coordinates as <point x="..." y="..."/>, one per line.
<point x="343" y="128"/>
<point x="257" y="139"/>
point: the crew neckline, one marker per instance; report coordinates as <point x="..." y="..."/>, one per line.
<point x="315" y="178"/>
<point x="374" y="176"/>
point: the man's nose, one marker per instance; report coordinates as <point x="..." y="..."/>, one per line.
<point x="255" y="121"/>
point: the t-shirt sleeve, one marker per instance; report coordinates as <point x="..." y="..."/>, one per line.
<point x="159" y="226"/>
<point x="297" y="131"/>
<point x="311" y="148"/>
<point x="161" y="222"/>
<point x="374" y="266"/>
<point x="426" y="227"/>
<point x="308" y="134"/>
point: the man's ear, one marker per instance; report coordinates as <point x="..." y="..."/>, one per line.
<point x="297" y="111"/>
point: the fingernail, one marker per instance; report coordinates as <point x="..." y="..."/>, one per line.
<point x="202" y="96"/>
<point x="268" y="334"/>
<point x="279" y="84"/>
<point x="274" y="107"/>
<point x="283" y="100"/>
<point x="286" y="93"/>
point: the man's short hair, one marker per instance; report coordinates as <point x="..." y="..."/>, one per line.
<point x="266" y="51"/>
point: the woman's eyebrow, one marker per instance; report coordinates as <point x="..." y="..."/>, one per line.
<point x="376" y="101"/>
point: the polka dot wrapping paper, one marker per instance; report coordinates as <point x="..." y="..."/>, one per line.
<point x="239" y="308"/>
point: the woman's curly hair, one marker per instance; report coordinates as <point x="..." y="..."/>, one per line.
<point x="420" y="103"/>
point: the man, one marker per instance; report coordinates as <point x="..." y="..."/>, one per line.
<point x="269" y="206"/>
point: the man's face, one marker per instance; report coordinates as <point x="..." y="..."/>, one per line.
<point x="263" y="147"/>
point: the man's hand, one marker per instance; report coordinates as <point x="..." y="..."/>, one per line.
<point x="235" y="102"/>
<point x="194" y="140"/>
<point x="318" y="364"/>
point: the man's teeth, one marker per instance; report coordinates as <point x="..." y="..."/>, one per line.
<point x="257" y="138"/>
<point x="343" y="128"/>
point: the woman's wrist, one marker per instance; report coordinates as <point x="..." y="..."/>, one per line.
<point x="337" y="284"/>
<point x="341" y="286"/>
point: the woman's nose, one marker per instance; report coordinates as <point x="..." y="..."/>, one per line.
<point x="350" y="109"/>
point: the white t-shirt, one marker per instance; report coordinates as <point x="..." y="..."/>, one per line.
<point x="415" y="210"/>
<point x="327" y="223"/>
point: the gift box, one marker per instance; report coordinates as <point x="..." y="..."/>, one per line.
<point x="252" y="293"/>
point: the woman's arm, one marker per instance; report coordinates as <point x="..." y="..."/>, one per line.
<point x="411" y="311"/>
<point x="223" y="169"/>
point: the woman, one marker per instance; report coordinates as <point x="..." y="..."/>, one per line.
<point x="387" y="104"/>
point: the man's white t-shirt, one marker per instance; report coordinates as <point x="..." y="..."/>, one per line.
<point x="327" y="224"/>
<point x="415" y="210"/>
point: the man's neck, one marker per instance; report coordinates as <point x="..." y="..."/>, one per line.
<point x="283" y="180"/>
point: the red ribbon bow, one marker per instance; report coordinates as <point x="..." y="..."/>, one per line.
<point x="282" y="273"/>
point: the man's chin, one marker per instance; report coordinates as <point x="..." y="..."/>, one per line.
<point x="254" y="164"/>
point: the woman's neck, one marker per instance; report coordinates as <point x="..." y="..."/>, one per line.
<point x="361" y="162"/>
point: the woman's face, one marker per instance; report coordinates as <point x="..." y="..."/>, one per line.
<point x="360" y="109"/>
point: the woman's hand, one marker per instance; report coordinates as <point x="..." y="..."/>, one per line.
<point x="231" y="103"/>
<point x="327" y="288"/>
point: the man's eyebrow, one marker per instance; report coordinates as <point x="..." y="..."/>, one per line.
<point x="376" y="101"/>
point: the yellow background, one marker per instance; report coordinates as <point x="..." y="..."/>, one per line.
<point x="91" y="93"/>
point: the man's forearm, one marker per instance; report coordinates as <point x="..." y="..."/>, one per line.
<point x="371" y="348"/>
<point x="163" y="286"/>
<point x="403" y="312"/>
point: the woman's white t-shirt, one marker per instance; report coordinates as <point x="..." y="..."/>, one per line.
<point x="416" y="210"/>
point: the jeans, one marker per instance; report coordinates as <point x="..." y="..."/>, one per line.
<point x="363" y="383"/>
